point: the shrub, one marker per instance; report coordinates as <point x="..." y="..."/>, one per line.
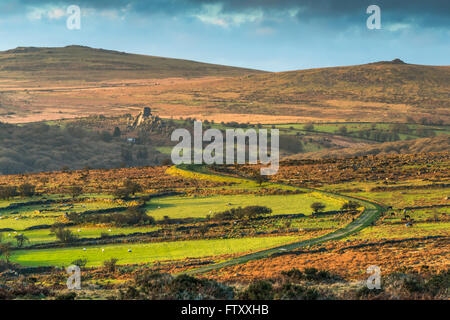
<point x="8" y="192"/>
<point x="75" y="191"/>
<point x="26" y="190"/>
<point x="62" y="234"/>
<point x="318" y="207"/>
<point x="5" y="251"/>
<point x="154" y="286"/>
<point x="351" y="205"/>
<point x="290" y="291"/>
<point x="79" y="262"/>
<point x="22" y="288"/>
<point x="110" y="265"/>
<point x="132" y="186"/>
<point x="249" y="212"/>
<point x="310" y="274"/>
<point x="66" y="296"/>
<point x="259" y="290"/>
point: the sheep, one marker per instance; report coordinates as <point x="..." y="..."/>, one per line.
<point x="84" y="249"/>
<point x="129" y="250"/>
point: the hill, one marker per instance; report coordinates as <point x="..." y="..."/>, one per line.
<point x="88" y="64"/>
<point x="52" y="83"/>
<point x="377" y="91"/>
<point x="436" y="144"/>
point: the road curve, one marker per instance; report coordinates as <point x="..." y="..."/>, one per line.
<point x="372" y="211"/>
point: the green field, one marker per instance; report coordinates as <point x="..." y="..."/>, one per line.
<point x="200" y="207"/>
<point x="400" y="231"/>
<point x="45" y="236"/>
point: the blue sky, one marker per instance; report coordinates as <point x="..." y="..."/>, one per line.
<point x="263" y="34"/>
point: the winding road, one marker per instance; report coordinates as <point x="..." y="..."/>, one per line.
<point x="372" y="211"/>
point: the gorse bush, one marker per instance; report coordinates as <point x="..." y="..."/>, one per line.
<point x="110" y="265"/>
<point x="265" y="290"/>
<point x="310" y="274"/>
<point x="156" y="286"/>
<point x="413" y="285"/>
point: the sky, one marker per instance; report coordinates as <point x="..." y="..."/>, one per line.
<point x="262" y="34"/>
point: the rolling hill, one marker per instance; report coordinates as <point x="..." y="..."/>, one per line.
<point x="88" y="64"/>
<point x="436" y="144"/>
<point x="53" y="83"/>
<point x="389" y="90"/>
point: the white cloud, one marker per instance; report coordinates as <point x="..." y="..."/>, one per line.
<point x="212" y="14"/>
<point x="56" y="13"/>
<point x="51" y="13"/>
<point x="398" y="27"/>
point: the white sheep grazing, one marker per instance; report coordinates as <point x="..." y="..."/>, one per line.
<point x="103" y="250"/>
<point x="79" y="230"/>
<point x="109" y="230"/>
<point x="84" y="249"/>
<point x="129" y="250"/>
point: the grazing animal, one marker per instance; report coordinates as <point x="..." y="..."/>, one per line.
<point x="129" y="250"/>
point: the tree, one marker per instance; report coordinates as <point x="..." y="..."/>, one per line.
<point x="117" y="133"/>
<point x="75" y="191"/>
<point x="5" y="250"/>
<point x="110" y="264"/>
<point x="342" y="130"/>
<point x="21" y="239"/>
<point x="26" y="190"/>
<point x="318" y="207"/>
<point x="126" y="155"/>
<point x="105" y="136"/>
<point x="62" y="234"/>
<point x="142" y="153"/>
<point x="132" y="186"/>
<point x="121" y="193"/>
<point x="350" y="206"/>
<point x="8" y="192"/>
<point x="308" y="127"/>
<point x="259" y="178"/>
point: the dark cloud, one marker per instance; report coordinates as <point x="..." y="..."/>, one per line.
<point x="425" y="13"/>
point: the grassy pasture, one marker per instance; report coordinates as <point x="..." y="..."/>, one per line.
<point x="407" y="198"/>
<point x="353" y="128"/>
<point x="146" y="252"/>
<point x="400" y="231"/>
<point x="190" y="207"/>
<point x="45" y="236"/>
